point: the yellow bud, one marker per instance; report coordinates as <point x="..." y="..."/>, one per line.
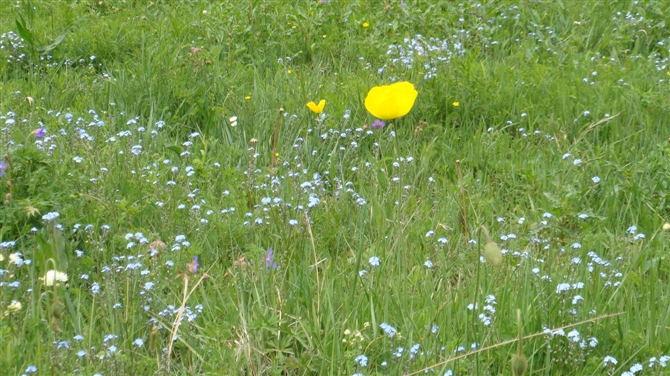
<point x="493" y="254"/>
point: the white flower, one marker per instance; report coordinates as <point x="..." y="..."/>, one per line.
<point x="15" y="258"/>
<point x="14" y="306"/>
<point x="374" y="261"/>
<point x="54" y="276"/>
<point x="362" y="360"/>
<point x="49" y="217"/>
<point x="609" y="360"/>
<point x="574" y="336"/>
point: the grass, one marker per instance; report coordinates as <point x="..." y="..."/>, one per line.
<point x="544" y="122"/>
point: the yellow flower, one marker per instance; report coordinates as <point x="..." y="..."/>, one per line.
<point x="317" y="109"/>
<point x="456" y="104"/>
<point x="365" y="24"/>
<point x="247" y="97"/>
<point x="391" y="101"/>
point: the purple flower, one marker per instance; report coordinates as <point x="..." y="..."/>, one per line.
<point x="269" y="262"/>
<point x="39" y="132"/>
<point x="377" y="124"/>
<point x="3" y="167"/>
<point x="193" y="265"/>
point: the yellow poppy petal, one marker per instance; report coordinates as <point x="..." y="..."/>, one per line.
<point x="312" y="106"/>
<point x="389" y="102"/>
<point x="317" y="109"/>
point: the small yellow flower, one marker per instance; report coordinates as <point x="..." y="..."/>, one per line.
<point x="290" y="71"/>
<point x="2" y="258"/>
<point x="317" y="109"/>
<point x="324" y="35"/>
<point x="247" y="97"/>
<point x="293" y="27"/>
<point x="391" y="101"/>
<point x="456" y="104"/>
<point x="276" y="154"/>
<point x="366" y="24"/>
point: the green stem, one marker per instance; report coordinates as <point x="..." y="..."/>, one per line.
<point x="519" y="350"/>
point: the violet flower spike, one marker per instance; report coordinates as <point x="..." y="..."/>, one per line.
<point x="39" y="132"/>
<point x="269" y="262"/>
<point x="3" y="167"/>
<point x="377" y="124"/>
<point x="193" y="265"/>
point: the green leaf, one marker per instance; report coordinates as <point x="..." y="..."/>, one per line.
<point x="23" y="30"/>
<point x="44" y="250"/>
<point x="50" y="47"/>
<point x="174" y="148"/>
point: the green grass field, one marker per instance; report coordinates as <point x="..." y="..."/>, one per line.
<point x="137" y="135"/>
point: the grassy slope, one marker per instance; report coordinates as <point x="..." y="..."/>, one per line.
<point x="528" y="60"/>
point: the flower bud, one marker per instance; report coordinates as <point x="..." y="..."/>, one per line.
<point x="519" y="365"/>
<point x="666" y="226"/>
<point x="57" y="310"/>
<point x="152" y="338"/>
<point x="493" y="254"/>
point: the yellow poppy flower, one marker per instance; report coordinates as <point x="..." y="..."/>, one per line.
<point x="317" y="109"/>
<point x="391" y="101"/>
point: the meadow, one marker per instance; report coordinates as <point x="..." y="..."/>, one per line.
<point x="169" y="204"/>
